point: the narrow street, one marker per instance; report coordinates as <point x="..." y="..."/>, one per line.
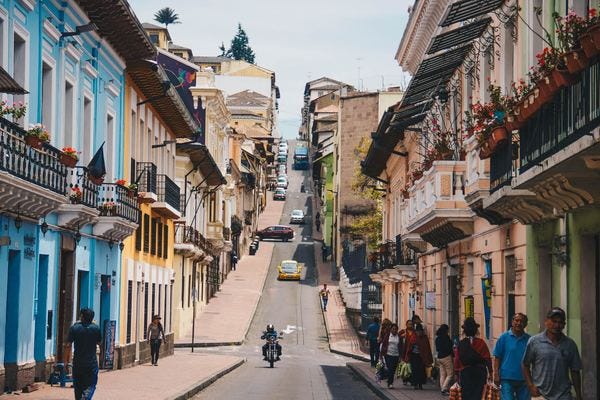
<point x="307" y="369"/>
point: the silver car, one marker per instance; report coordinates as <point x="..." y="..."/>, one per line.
<point x="297" y="217"/>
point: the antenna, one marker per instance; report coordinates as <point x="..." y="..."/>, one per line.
<point x="359" y="81"/>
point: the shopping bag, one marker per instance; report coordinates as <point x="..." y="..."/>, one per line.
<point x="490" y="392"/>
<point x="380" y="371"/>
<point x="455" y="392"/>
<point x="403" y="371"/>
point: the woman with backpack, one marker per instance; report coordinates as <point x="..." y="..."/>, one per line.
<point x="474" y="361"/>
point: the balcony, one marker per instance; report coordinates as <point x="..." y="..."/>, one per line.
<point x="146" y="177"/>
<point x="83" y="206"/>
<point x="119" y="212"/>
<point x="559" y="153"/>
<point x="214" y="230"/>
<point x="437" y="210"/>
<point x="188" y="242"/>
<point x="168" y="198"/>
<point x="32" y="182"/>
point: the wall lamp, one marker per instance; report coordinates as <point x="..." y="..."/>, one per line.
<point x="111" y="244"/>
<point x="77" y="235"/>
<point x="44" y="228"/>
<point x="80" y="29"/>
<point x="121" y="246"/>
<point x="18" y="222"/>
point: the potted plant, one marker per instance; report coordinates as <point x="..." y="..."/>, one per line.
<point x="69" y="157"/>
<point x="76" y="195"/>
<point x="36" y="136"/>
<point x="16" y="110"/>
<point x="108" y="208"/>
<point x="121" y="182"/>
<point x="590" y="39"/>
<point x="132" y="190"/>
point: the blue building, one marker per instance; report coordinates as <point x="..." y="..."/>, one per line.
<point x="60" y="227"/>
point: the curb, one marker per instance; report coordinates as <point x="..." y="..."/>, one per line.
<point x="378" y="390"/>
<point x="199" y="386"/>
<point x="208" y="344"/>
<point x="350" y="355"/>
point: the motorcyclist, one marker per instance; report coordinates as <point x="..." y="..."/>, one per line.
<point x="302" y="187"/>
<point x="270" y="333"/>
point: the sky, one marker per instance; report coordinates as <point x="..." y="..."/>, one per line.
<point x="353" y="41"/>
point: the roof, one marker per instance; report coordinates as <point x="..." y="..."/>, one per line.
<point x="210" y="59"/>
<point x="241" y="111"/>
<point x="148" y="25"/>
<point x="247" y="98"/>
<point x="173" y="46"/>
<point x="8" y="84"/>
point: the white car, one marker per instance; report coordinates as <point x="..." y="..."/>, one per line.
<point x="283" y="146"/>
<point x="282" y="169"/>
<point x="282" y="182"/>
<point x="297" y="217"/>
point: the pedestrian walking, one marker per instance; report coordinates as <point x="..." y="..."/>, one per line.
<point x="324" y="293"/>
<point x="372" y="336"/>
<point x="405" y="336"/>
<point x="474" y="361"/>
<point x="156" y="336"/>
<point x="324" y="251"/>
<point x="318" y="221"/>
<point x="508" y="355"/>
<point x="443" y="347"/>
<point x="85" y="336"/>
<point x="548" y="359"/>
<point x="417" y="352"/>
<point x="391" y="349"/>
<point x="384" y="330"/>
<point x="234" y="260"/>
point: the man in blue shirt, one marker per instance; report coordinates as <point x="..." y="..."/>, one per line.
<point x="85" y="335"/>
<point x="508" y="354"/>
<point x="372" y="335"/>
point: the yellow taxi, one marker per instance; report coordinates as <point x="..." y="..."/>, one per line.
<point x="289" y="270"/>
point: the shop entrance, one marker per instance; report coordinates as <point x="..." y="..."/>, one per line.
<point x="66" y="300"/>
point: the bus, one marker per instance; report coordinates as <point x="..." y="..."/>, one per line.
<point x="301" y="158"/>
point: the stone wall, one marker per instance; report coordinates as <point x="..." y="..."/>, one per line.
<point x="125" y="354"/>
<point x="18" y="376"/>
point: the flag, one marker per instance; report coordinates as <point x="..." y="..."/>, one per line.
<point x="96" y="168"/>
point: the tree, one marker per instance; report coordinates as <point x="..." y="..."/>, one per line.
<point x="239" y="49"/>
<point x="223" y="50"/>
<point x="166" y="16"/>
<point x="370" y="223"/>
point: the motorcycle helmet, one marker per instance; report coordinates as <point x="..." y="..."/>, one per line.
<point x="270" y="328"/>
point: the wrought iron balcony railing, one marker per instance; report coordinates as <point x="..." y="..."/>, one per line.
<point x="116" y="200"/>
<point x="88" y="191"/>
<point x="226" y="233"/>
<point x="146" y="176"/>
<point x="168" y="192"/>
<point x="41" y="167"/>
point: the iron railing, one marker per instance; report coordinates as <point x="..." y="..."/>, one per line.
<point x="116" y="200"/>
<point x="80" y="183"/>
<point x="503" y="167"/>
<point x="146" y="177"/>
<point x="226" y="233"/>
<point x="573" y="113"/>
<point x="41" y="167"/>
<point x="168" y="192"/>
<point x="182" y="204"/>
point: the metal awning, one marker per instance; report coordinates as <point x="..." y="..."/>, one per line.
<point x="434" y="72"/>
<point x="459" y="36"/>
<point x="9" y="85"/>
<point x="204" y="161"/>
<point x="463" y="10"/>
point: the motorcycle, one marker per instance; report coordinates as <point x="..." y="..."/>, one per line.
<point x="272" y="350"/>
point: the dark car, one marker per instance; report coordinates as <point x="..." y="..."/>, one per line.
<point x="279" y="194"/>
<point x="282" y="232"/>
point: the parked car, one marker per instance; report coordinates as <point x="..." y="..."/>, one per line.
<point x="279" y="194"/>
<point x="289" y="270"/>
<point x="297" y="217"/>
<point x="282" y="182"/>
<point x="281" y="232"/>
<point x="282" y="169"/>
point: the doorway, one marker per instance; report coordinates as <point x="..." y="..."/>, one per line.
<point x="453" y="306"/>
<point x="11" y="330"/>
<point x="41" y="322"/>
<point x="65" y="300"/>
<point x="104" y="300"/>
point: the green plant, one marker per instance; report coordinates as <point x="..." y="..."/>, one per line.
<point x="166" y="16"/>
<point x="38" y="131"/>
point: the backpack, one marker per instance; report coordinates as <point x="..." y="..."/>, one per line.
<point x="468" y="355"/>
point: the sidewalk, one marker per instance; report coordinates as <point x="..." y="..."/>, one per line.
<point x="226" y="318"/>
<point x="177" y="377"/>
<point x="343" y="339"/>
<point x="224" y="321"/>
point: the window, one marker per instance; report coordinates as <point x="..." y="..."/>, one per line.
<point x="110" y="146"/>
<point x="146" y="233"/>
<point x="47" y="96"/>
<point x="87" y="128"/>
<point x="153" y="236"/>
<point x="166" y="241"/>
<point x="154" y="38"/>
<point x="145" y="310"/>
<point x="212" y="207"/>
<point x="160" y="239"/>
<point x="511" y="280"/>
<point x="153" y="299"/>
<point x="159" y="298"/>
<point x="189" y="289"/>
<point x="68" y="139"/>
<point x="129" y="306"/>
<point x="133" y="144"/>
<point x="138" y="234"/>
<point x="20" y="61"/>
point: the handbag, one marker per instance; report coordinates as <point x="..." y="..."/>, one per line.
<point x="380" y="371"/>
<point x="455" y="392"/>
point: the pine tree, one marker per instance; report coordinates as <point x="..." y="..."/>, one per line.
<point x="223" y="50"/>
<point x="167" y="16"/>
<point x="239" y="49"/>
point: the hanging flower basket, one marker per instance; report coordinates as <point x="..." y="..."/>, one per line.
<point x="576" y="61"/>
<point x="34" y="141"/>
<point x="68" y="160"/>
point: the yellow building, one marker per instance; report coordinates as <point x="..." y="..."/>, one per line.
<point x="152" y="123"/>
<point x="159" y="36"/>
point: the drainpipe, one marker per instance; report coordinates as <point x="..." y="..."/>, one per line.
<point x="564" y="261"/>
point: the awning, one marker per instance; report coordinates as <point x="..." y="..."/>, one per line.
<point x="463" y="10"/>
<point x="434" y="72"/>
<point x="9" y="85"/>
<point x="459" y="36"/>
<point x="203" y="160"/>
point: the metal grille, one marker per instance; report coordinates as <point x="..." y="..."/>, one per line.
<point x="146" y="177"/>
<point x="168" y="192"/>
<point x="123" y="202"/>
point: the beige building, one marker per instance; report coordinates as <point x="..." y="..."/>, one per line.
<point x="447" y="258"/>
